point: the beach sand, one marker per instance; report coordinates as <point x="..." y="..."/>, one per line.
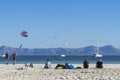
<point x="11" y="72"/>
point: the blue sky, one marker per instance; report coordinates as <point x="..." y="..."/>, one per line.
<point x="60" y="23"/>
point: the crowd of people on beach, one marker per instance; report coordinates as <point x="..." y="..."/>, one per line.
<point x="99" y="63"/>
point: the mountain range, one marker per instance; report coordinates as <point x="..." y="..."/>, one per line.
<point x="89" y="50"/>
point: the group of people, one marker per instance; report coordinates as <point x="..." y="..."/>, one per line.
<point x="13" y="55"/>
<point x="29" y="65"/>
<point x="99" y="64"/>
<point x="59" y="66"/>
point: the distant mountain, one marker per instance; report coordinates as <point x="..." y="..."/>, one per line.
<point x="89" y="50"/>
<point x="109" y="50"/>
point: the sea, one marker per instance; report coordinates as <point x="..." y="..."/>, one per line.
<point x="56" y="59"/>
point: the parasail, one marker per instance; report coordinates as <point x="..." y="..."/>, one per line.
<point x="24" y="34"/>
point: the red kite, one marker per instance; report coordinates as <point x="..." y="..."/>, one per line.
<point x="24" y="34"/>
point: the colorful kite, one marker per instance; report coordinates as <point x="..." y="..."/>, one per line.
<point x="24" y="34"/>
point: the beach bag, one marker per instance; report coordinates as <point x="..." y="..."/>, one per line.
<point x="70" y="67"/>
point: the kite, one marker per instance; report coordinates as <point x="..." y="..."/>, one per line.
<point x="24" y="34"/>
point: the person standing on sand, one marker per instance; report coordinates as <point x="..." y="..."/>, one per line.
<point x="6" y="57"/>
<point x="14" y="57"/>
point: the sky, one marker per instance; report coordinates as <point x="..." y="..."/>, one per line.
<point x="60" y="23"/>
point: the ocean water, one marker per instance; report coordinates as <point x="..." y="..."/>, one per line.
<point x="40" y="59"/>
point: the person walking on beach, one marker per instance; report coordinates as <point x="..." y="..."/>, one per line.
<point x="14" y="57"/>
<point x="6" y="57"/>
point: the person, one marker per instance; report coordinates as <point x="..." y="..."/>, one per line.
<point x="99" y="64"/>
<point x="85" y="63"/>
<point x="66" y="66"/>
<point x="31" y="65"/>
<point x="58" y="66"/>
<point x="14" y="57"/>
<point x="26" y="65"/>
<point x="47" y="64"/>
<point x="6" y="57"/>
<point x="61" y="66"/>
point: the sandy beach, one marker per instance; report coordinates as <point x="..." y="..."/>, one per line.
<point x="11" y="72"/>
